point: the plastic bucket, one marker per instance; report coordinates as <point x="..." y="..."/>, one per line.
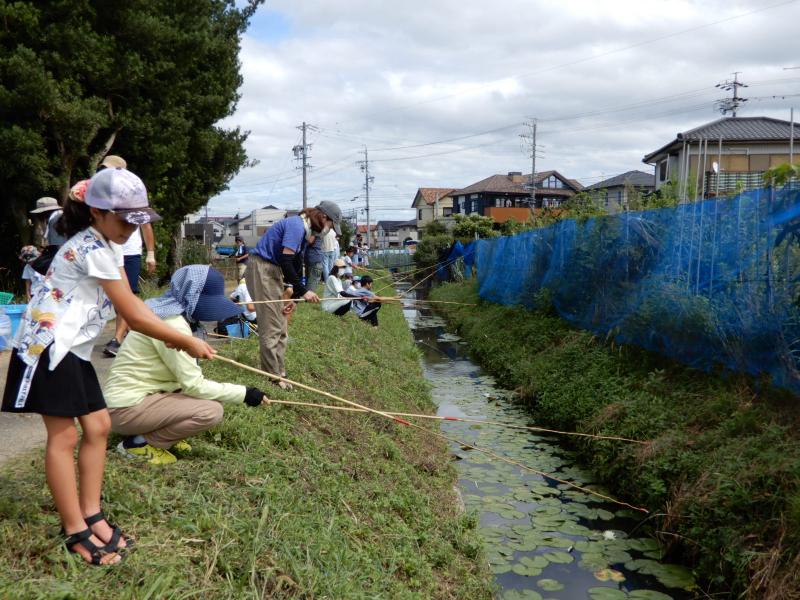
<point x="15" y="312"/>
<point x="238" y="330"/>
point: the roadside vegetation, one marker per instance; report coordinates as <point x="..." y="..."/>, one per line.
<point x="276" y="502"/>
<point x="722" y="472"/>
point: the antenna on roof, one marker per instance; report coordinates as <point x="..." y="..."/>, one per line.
<point x="731" y="105"/>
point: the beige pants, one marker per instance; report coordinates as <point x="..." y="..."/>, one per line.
<point x="265" y="282"/>
<point x="242" y="268"/>
<point x="164" y="419"/>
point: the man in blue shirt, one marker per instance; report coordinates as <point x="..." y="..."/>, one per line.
<point x="275" y="265"/>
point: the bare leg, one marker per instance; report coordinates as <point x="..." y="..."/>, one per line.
<point x="122" y="329"/>
<point x="91" y="465"/>
<point x="59" y="466"/>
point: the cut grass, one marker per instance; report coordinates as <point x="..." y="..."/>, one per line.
<point x="275" y="502"/>
<point x="723" y="472"/>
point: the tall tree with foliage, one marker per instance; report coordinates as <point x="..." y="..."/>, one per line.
<point x="145" y="79"/>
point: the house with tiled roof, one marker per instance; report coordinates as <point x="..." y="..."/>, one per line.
<point x="505" y="197"/>
<point x="361" y="232"/>
<point x="613" y="192"/>
<point x="730" y="152"/>
<point x="432" y="204"/>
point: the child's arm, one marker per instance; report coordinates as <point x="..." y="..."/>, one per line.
<point x="28" y="289"/>
<point x="141" y="319"/>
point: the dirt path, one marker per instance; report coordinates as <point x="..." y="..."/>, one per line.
<point x="22" y="433"/>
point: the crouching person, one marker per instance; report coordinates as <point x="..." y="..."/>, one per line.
<point x="157" y="396"/>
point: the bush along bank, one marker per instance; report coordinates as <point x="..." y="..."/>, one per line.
<point x="275" y="502"/>
<point x="721" y="474"/>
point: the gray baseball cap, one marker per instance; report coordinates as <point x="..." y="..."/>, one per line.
<point x="121" y="192"/>
<point x="333" y="212"/>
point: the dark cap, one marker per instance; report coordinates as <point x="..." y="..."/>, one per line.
<point x="333" y="212"/>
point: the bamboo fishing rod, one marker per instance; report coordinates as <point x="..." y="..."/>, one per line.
<point x="465" y="420"/>
<point x="407" y="276"/>
<point x="429" y="432"/>
<point x="373" y="298"/>
<point x="441" y="418"/>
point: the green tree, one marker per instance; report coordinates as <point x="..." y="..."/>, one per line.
<point x="470" y="227"/>
<point x="347" y="235"/>
<point x="781" y="175"/>
<point x="146" y="79"/>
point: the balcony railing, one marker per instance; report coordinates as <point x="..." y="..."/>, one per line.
<point x="732" y="181"/>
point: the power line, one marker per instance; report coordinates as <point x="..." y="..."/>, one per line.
<point x="596" y="56"/>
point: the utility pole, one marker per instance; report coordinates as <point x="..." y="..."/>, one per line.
<point x="531" y="138"/>
<point x="367" y="181"/>
<point x="731" y="105"/>
<point x="301" y="154"/>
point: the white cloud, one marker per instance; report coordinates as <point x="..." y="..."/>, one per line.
<point x="389" y="74"/>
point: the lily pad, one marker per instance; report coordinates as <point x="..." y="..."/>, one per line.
<point x="521" y="595"/>
<point x="550" y="585"/>
<point x="606" y="593"/>
<point x="672" y="576"/>
<point x="500" y="569"/>
<point x="648" y="595"/>
<point x="558" y="557"/>
<point x="530" y="566"/>
<point x="609" y="575"/>
<point x="593" y="561"/>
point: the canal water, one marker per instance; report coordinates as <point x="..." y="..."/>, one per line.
<point x="542" y="539"/>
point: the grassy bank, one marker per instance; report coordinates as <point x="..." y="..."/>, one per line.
<point x="276" y="502"/>
<point x="721" y="475"/>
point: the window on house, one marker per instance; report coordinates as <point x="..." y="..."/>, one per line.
<point x="420" y="214"/>
<point x="446" y="212"/>
<point x="662" y="170"/>
<point x="552" y="182"/>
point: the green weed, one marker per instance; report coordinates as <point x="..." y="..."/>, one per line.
<point x="275" y="502"/>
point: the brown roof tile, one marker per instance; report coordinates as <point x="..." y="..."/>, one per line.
<point x="504" y="184"/>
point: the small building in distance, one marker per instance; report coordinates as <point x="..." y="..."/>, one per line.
<point x="613" y="192"/>
<point x="392" y="234"/>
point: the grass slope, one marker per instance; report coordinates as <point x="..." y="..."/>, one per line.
<point x="723" y="470"/>
<point x="276" y="502"/>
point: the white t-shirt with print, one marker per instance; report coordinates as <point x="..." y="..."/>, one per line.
<point x="70" y="308"/>
<point x="348" y="265"/>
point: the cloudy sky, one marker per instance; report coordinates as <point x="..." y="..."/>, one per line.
<point x="438" y="90"/>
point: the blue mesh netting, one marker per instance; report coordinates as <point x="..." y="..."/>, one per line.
<point x="707" y="283"/>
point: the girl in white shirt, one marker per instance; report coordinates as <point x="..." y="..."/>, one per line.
<point x="334" y="289"/>
<point x="49" y="371"/>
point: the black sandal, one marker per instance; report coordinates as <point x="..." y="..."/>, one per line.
<point x="112" y="545"/>
<point x="82" y="538"/>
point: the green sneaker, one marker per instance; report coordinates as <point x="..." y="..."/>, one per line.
<point x="182" y="446"/>
<point x="154" y="456"/>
